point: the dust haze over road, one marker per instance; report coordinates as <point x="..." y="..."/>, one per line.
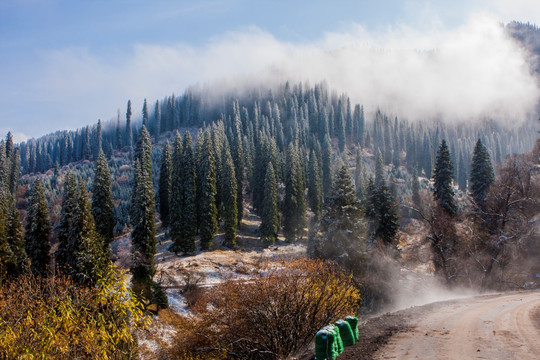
<point x="503" y="326"/>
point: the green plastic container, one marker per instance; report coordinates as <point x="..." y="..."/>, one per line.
<point x="333" y="328"/>
<point x="326" y="345"/>
<point x="345" y="332"/>
<point x="353" y="321"/>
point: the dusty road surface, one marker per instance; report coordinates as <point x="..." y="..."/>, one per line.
<point x="488" y="327"/>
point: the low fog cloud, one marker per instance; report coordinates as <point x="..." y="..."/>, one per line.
<point x="467" y="73"/>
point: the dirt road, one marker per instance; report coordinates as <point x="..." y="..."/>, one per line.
<point x="488" y="327"/>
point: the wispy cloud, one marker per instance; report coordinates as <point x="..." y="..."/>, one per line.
<point x="466" y="73"/>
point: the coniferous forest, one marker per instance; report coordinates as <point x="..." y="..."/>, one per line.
<point x="354" y="187"/>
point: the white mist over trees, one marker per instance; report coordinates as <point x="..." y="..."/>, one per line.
<point x="474" y="71"/>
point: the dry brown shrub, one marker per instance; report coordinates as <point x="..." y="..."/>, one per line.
<point x="270" y="316"/>
<point x="192" y="281"/>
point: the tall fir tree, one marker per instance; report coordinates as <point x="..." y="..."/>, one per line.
<point x="92" y="255"/>
<point x="68" y="233"/>
<point x="442" y="180"/>
<point x="102" y="201"/>
<point x="380" y="206"/>
<point x="38" y="231"/>
<point x="359" y="175"/>
<point x="81" y="252"/>
<point x="381" y="209"/>
<point x="15" y="171"/>
<point x="177" y="190"/>
<point x="119" y="139"/>
<point x="315" y="185"/>
<point x="482" y="175"/>
<point x="206" y="193"/>
<point x="9" y="145"/>
<point x="157" y="120"/>
<point x="340" y="128"/>
<point x="6" y="255"/>
<point x="143" y="235"/>
<point x="15" y="240"/>
<point x="128" y="134"/>
<point x="165" y="174"/>
<point x="238" y="154"/>
<point x="228" y="196"/>
<point x="327" y="167"/>
<point x="270" y="210"/>
<point x="341" y="232"/>
<point x="145" y="115"/>
<point x="97" y="143"/>
<point x="294" y="202"/>
<point x="188" y="178"/>
<point x="4" y="166"/>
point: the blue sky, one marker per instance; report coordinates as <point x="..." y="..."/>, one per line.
<point x="64" y="64"/>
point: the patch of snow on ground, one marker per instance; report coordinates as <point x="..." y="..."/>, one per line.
<point x="177" y="302"/>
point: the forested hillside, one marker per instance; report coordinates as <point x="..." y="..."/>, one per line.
<point x="311" y="118"/>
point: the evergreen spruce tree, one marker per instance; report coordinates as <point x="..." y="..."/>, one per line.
<point x="119" y="141"/>
<point x="38" y="231"/>
<point x="86" y="144"/>
<point x="128" y="135"/>
<point x="81" y="252"/>
<point x="359" y="175"/>
<point x="270" y="210"/>
<point x="15" y="171"/>
<point x="143" y="235"/>
<point x="181" y="242"/>
<point x="188" y="221"/>
<point x="157" y="119"/>
<point x="259" y="168"/>
<point x="323" y="124"/>
<point x="442" y="178"/>
<point x="238" y="154"/>
<point x="266" y="150"/>
<point x="382" y="212"/>
<point x="315" y="185"/>
<point x="15" y="240"/>
<point x="327" y="167"/>
<point x="68" y="233"/>
<point x="165" y="174"/>
<point x="340" y="128"/>
<point x="92" y="256"/>
<point x="9" y="145"/>
<point x="341" y="232"/>
<point x="6" y="255"/>
<point x="380" y="206"/>
<point x="4" y="167"/>
<point x="145" y="114"/>
<point x="102" y="201"/>
<point x="482" y="175"/>
<point x="206" y="193"/>
<point x="294" y="202"/>
<point x="228" y="196"/>
<point x="97" y="144"/>
<point x="177" y="200"/>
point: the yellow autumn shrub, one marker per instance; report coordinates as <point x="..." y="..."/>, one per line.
<point x="54" y="318"/>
